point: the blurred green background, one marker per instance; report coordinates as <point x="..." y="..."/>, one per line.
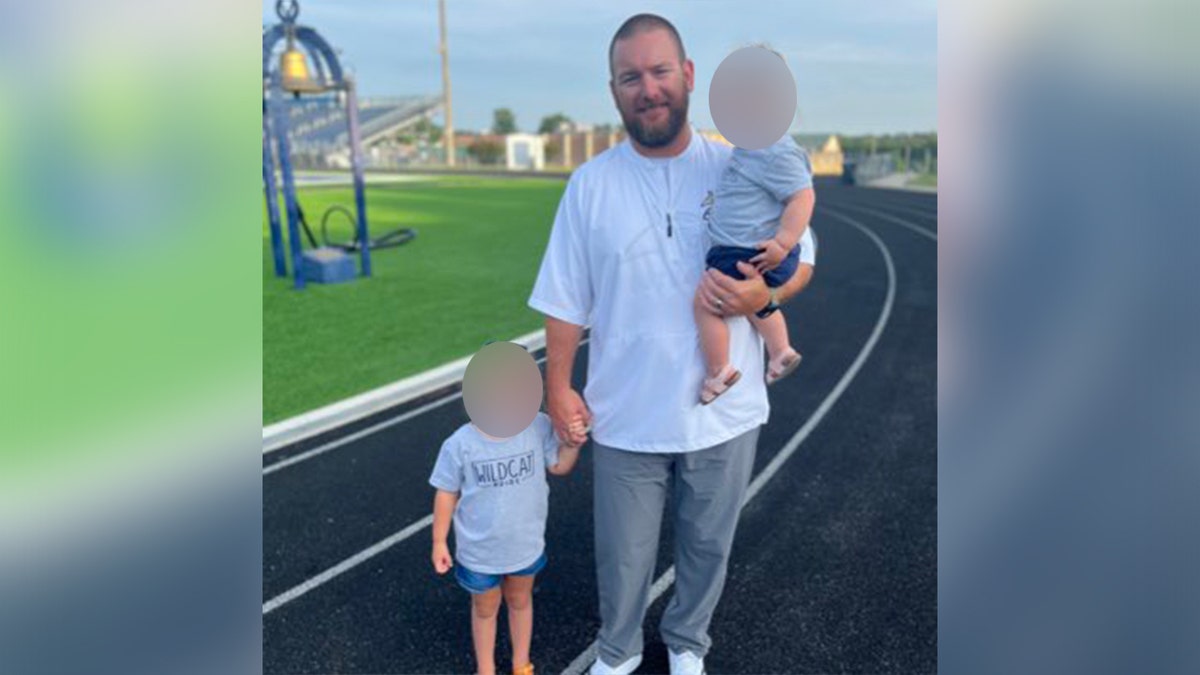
<point x="128" y="293"/>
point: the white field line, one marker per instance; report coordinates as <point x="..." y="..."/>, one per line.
<point x="890" y="218"/>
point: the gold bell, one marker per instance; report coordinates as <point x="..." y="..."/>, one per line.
<point x="294" y="74"/>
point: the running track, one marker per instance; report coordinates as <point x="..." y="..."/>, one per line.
<point x="834" y="568"/>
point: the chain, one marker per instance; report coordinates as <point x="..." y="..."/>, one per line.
<point x="287" y="10"/>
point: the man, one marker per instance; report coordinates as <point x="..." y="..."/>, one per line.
<point x="625" y="256"/>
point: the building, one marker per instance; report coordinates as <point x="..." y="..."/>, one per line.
<point x="525" y="151"/>
<point x="824" y="151"/>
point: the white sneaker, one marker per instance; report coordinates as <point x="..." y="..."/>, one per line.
<point x="602" y="668"/>
<point x="686" y="663"/>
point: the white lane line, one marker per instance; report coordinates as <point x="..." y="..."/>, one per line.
<point x="379" y="426"/>
<point x="379" y="546"/>
<point x="915" y="211"/>
<point x="888" y="217"/>
<point x="903" y="209"/>
<point x="346" y="565"/>
<point x="339" y="442"/>
<point x="584" y="660"/>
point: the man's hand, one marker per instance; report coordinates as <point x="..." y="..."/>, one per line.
<point x="771" y="256"/>
<point x="442" y="560"/>
<point x="725" y="296"/>
<point x="577" y="430"/>
<point x="569" y="414"/>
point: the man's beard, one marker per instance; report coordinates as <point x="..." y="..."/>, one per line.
<point x="661" y="136"/>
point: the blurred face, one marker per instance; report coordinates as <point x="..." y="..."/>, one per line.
<point x="502" y="389"/>
<point x="650" y="87"/>
<point x="752" y="98"/>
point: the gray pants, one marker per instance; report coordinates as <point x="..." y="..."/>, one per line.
<point x="706" y="489"/>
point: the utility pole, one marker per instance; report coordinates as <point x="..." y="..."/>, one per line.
<point x="445" y="51"/>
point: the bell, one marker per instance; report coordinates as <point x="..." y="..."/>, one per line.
<point x="293" y="71"/>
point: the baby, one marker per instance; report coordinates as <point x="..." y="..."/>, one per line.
<point x="763" y="204"/>
<point x="496" y="492"/>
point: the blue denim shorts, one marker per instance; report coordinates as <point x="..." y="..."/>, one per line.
<point x="725" y="259"/>
<point x="478" y="582"/>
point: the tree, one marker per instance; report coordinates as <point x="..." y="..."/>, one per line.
<point x="504" y="122"/>
<point x="421" y="130"/>
<point x="486" y="152"/>
<point x="425" y="128"/>
<point x="893" y="143"/>
<point x="551" y="123"/>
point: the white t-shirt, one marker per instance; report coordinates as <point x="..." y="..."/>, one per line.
<point x="500" y="520"/>
<point x="808" y="247"/>
<point x="625" y="257"/>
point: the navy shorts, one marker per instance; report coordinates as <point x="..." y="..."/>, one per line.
<point x="480" y="582"/>
<point x="725" y="259"/>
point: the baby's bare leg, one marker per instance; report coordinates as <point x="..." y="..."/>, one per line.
<point x="774" y="331"/>
<point x="518" y="595"/>
<point x="714" y="337"/>
<point x="484" y="608"/>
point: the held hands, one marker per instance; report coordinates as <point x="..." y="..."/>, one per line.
<point x="569" y="445"/>
<point x="771" y="256"/>
<point x="442" y="560"/>
<point x="569" y="414"/>
<point x="577" y="432"/>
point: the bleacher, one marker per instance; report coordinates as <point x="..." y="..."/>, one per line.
<point x="318" y="123"/>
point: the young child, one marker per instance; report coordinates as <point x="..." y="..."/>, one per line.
<point x="495" y="489"/>
<point x="763" y="204"/>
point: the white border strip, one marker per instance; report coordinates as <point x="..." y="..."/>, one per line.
<point x="379" y="426"/>
<point x="282" y="434"/>
<point x="585" y="660"/>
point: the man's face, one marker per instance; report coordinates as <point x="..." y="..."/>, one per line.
<point x="650" y="87"/>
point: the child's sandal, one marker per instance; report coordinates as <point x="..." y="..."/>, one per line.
<point x="526" y="669"/>
<point x="782" y="366"/>
<point x="715" y="386"/>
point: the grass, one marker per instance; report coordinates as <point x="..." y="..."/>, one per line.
<point x="463" y="280"/>
<point x="924" y="180"/>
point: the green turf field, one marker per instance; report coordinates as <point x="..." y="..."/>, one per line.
<point x="925" y="180"/>
<point x="463" y="280"/>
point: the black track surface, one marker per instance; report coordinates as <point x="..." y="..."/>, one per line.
<point x="834" y="568"/>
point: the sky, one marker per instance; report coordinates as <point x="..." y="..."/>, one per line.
<point x="860" y="66"/>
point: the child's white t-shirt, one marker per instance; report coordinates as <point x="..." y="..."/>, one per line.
<point x="500" y="522"/>
<point x="752" y="191"/>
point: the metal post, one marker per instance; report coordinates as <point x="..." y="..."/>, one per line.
<point x="289" y="185"/>
<point x="448" y="133"/>
<point x="356" y="166"/>
<point x="272" y="197"/>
